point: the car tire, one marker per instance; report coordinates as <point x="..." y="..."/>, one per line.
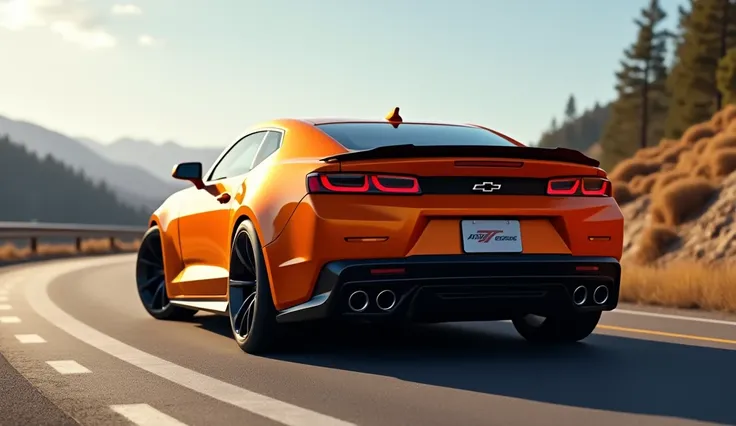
<point x="558" y="329"/>
<point x="151" y="280"/>
<point x="250" y="307"/>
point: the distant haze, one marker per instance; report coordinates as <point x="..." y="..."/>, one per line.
<point x="139" y="172"/>
<point x="158" y="159"/>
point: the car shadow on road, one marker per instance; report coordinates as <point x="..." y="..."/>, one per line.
<point x="603" y="372"/>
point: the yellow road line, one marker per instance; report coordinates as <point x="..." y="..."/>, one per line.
<point x="665" y="334"/>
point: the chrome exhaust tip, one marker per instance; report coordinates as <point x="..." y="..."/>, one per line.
<point x="386" y="300"/>
<point x="358" y="301"/>
<point x="600" y="295"/>
<point x="580" y="295"/>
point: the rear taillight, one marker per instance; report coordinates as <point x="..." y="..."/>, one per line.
<point x="586" y="186"/>
<point x="361" y="183"/>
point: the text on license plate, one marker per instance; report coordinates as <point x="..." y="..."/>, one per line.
<point x="491" y="236"/>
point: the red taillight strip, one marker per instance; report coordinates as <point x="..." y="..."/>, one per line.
<point x="329" y="186"/>
<point x="381" y="187"/>
<point x="371" y="184"/>
<point x="578" y="187"/>
<point x="596" y="192"/>
<point x="569" y="191"/>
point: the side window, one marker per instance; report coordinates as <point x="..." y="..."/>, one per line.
<point x="240" y="157"/>
<point x="270" y="144"/>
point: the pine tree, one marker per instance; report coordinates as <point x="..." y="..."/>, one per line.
<point x="708" y="31"/>
<point x="683" y="14"/>
<point x="641" y="87"/>
<point x="726" y="77"/>
<point x="553" y="125"/>
<point x="571" y="110"/>
<point x="727" y="37"/>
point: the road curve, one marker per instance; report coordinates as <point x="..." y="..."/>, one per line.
<point x="77" y="348"/>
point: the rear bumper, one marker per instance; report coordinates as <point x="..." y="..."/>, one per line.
<point x="447" y="288"/>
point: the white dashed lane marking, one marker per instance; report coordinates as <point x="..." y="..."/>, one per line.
<point x="145" y="415"/>
<point x="9" y="320"/>
<point x="5" y="307"/>
<point x="68" y="367"/>
<point x="30" y="338"/>
<point x="36" y="291"/>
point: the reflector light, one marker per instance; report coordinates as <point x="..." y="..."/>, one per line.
<point x="586" y="268"/>
<point x="388" y="271"/>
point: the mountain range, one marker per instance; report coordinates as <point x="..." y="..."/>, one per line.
<point x="137" y="171"/>
<point x="158" y="159"/>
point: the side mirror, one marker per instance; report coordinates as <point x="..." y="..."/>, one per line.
<point x="189" y="171"/>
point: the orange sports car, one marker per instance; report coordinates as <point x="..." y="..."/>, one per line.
<point x="386" y="221"/>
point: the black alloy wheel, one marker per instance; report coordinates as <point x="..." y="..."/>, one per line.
<point x="151" y="280"/>
<point x="250" y="305"/>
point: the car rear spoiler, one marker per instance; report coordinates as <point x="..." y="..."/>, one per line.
<point x="563" y="155"/>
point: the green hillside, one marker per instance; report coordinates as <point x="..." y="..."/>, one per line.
<point x="46" y="190"/>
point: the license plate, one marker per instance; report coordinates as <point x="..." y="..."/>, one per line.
<point x="491" y="236"/>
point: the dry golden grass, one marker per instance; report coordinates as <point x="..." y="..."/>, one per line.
<point x="731" y="127"/>
<point x="729" y="114"/>
<point x="688" y="161"/>
<point x="701" y="145"/>
<point x="627" y="169"/>
<point x="697" y="132"/>
<point x="622" y="193"/>
<point x="666" y="167"/>
<point x="688" y="285"/>
<point x="719" y="142"/>
<point x="644" y="184"/>
<point x="723" y="118"/>
<point x="654" y="241"/>
<point x="681" y="177"/>
<point x="681" y="199"/>
<point x="668" y="143"/>
<point x="663" y="179"/>
<point x="9" y="252"/>
<point x="649" y="153"/>
<point x="672" y="153"/>
<point x="722" y="162"/>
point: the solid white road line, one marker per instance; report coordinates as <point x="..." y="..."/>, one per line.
<point x="68" y="367"/>
<point x="5" y="307"/>
<point x="145" y="415"/>
<point x="37" y="295"/>
<point x="9" y="320"/>
<point x="674" y="317"/>
<point x="30" y="338"/>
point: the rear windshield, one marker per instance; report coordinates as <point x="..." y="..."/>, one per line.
<point x="361" y="136"/>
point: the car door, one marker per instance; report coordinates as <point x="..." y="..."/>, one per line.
<point x="205" y="228"/>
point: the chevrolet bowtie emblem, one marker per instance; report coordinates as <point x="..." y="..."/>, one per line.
<point x="486" y="187"/>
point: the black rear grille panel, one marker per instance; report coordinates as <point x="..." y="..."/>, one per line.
<point x="463" y="185"/>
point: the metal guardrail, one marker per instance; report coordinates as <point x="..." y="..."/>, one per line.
<point x="35" y="230"/>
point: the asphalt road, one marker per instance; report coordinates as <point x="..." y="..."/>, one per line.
<point x="77" y="347"/>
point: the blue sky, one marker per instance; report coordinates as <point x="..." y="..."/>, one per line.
<point x="202" y="71"/>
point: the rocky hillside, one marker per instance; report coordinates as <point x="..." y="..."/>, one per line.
<point x="679" y="197"/>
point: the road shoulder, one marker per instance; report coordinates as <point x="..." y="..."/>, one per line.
<point x="27" y="406"/>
